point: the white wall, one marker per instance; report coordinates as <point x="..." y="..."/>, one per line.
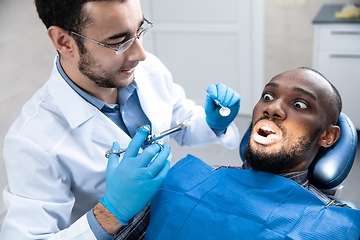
<point x="204" y="42"/>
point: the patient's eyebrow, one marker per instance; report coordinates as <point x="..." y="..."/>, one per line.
<point x="272" y="84"/>
<point x="296" y="89"/>
<point x="310" y="94"/>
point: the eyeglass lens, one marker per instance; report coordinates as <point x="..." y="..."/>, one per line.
<point x="126" y="45"/>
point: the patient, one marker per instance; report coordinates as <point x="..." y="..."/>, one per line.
<point x="270" y="196"/>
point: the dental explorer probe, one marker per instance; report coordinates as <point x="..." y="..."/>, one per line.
<point x="224" y="111"/>
<point x="152" y="139"/>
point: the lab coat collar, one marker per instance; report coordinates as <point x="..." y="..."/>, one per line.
<point x="71" y="104"/>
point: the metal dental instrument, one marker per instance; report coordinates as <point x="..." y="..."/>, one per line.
<point x="152" y="139"/>
<point x="224" y="111"/>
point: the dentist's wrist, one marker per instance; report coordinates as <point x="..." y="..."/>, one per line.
<point x="106" y="219"/>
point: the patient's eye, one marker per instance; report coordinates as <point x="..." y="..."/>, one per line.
<point x="300" y="105"/>
<point x="268" y="97"/>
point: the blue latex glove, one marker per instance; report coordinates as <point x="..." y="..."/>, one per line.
<point x="227" y="98"/>
<point x="131" y="184"/>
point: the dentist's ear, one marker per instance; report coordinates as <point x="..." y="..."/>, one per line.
<point x="62" y="41"/>
<point x="330" y="136"/>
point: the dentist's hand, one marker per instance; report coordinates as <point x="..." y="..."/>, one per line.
<point x="227" y="98"/>
<point x="131" y="184"/>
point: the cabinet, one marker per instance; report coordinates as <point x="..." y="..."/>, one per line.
<point x="337" y="56"/>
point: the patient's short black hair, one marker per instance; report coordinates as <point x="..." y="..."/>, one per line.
<point x="336" y="101"/>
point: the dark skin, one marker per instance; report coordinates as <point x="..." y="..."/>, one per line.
<point x="295" y="105"/>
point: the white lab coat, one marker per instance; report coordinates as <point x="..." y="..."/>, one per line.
<point x="54" y="152"/>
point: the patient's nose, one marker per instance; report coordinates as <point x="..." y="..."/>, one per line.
<point x="275" y="110"/>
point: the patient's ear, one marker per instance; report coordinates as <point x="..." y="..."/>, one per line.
<point x="330" y="136"/>
<point x="61" y="40"/>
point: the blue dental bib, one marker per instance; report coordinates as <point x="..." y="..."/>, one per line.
<point x="196" y="203"/>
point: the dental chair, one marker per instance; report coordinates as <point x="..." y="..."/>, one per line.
<point x="331" y="165"/>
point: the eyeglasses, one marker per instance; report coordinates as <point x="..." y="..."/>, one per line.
<point x="123" y="46"/>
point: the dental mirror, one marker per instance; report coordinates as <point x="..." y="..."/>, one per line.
<point x="224" y="111"/>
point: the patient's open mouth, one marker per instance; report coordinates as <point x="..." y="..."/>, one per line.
<point x="267" y="133"/>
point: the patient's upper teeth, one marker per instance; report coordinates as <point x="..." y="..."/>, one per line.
<point x="267" y="129"/>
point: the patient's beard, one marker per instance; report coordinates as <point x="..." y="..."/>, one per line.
<point x="283" y="160"/>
